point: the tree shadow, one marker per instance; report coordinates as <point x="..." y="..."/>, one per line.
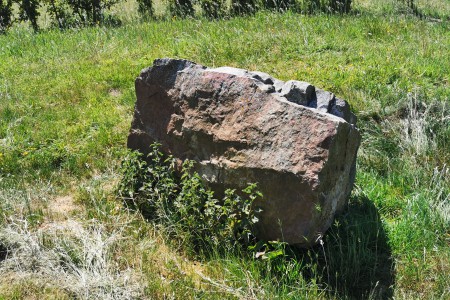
<point x="354" y="254"/>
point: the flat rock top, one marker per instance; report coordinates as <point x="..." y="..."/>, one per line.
<point x="299" y="92"/>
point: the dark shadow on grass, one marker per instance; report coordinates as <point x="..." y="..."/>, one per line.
<point x="355" y="260"/>
<point x="3" y="253"/>
<point x="359" y="259"/>
<point x="421" y="14"/>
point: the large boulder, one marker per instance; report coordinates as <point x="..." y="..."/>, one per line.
<point x="296" y="141"/>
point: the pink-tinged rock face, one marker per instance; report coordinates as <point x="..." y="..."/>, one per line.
<point x="297" y="142"/>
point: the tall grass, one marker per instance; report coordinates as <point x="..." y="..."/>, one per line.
<point x="69" y="256"/>
<point x="66" y="100"/>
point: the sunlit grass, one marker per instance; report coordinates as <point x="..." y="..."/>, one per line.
<point x="66" y="101"/>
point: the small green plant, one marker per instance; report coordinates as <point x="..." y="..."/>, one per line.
<point x="185" y="207"/>
<point x="269" y="250"/>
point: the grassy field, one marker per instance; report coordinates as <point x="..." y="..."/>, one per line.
<point x="66" y="102"/>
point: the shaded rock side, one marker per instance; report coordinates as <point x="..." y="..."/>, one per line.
<point x="244" y="127"/>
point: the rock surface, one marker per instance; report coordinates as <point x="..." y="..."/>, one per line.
<point x="297" y="142"/>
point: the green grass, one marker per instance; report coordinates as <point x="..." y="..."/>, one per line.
<point x="66" y="102"/>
